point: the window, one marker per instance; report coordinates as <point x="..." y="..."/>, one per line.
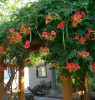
<point x="41" y="72"/>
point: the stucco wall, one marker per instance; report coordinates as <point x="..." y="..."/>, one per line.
<point x="33" y="80"/>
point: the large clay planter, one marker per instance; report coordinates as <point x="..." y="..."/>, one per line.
<point x="67" y="87"/>
<point x="21" y="83"/>
<point x="86" y="88"/>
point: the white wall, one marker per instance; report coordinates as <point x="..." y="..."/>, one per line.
<point x="33" y="80"/>
<point x="30" y="78"/>
<point x="26" y="77"/>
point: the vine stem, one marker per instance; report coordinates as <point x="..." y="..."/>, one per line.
<point x="30" y="36"/>
<point x="64" y="41"/>
<point x="67" y="31"/>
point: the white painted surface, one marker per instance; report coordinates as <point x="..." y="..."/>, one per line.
<point x="33" y="80"/>
<point x="30" y="78"/>
<point x="26" y="77"/>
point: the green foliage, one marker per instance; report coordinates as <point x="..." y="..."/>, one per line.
<point x="40" y="88"/>
<point x="91" y="85"/>
<point x="63" y="48"/>
<point x="37" y="57"/>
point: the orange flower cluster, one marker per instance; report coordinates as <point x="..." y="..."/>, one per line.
<point x="15" y="38"/>
<point x="48" y="18"/>
<point x="27" y="44"/>
<point x="11" y="30"/>
<point x="88" y="33"/>
<point x="44" y="49"/>
<point x="83" y="54"/>
<point x="93" y="67"/>
<point x="25" y="29"/>
<point x="81" y="40"/>
<point x="71" y="67"/>
<point x="61" y="25"/>
<point x="49" y="36"/>
<point x="62" y="78"/>
<point x="77" y="18"/>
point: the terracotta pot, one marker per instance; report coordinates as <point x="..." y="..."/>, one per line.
<point x="84" y="87"/>
<point x="67" y="88"/>
<point x="21" y="83"/>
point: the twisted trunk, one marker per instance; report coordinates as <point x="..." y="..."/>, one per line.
<point x="84" y="87"/>
<point x="1" y="81"/>
<point x="8" y="85"/>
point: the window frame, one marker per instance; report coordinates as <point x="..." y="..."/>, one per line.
<point x="37" y="69"/>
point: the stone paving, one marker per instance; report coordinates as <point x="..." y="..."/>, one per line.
<point x="45" y="98"/>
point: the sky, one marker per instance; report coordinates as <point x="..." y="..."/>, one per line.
<point x="22" y="2"/>
<point x="11" y="5"/>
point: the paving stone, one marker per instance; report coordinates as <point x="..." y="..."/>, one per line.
<point x="45" y="98"/>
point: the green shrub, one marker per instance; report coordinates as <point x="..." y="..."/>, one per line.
<point x="40" y="88"/>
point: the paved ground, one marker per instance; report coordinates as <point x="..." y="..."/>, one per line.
<point x="45" y="98"/>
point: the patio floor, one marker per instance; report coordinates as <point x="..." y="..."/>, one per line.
<point x="45" y="98"/>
